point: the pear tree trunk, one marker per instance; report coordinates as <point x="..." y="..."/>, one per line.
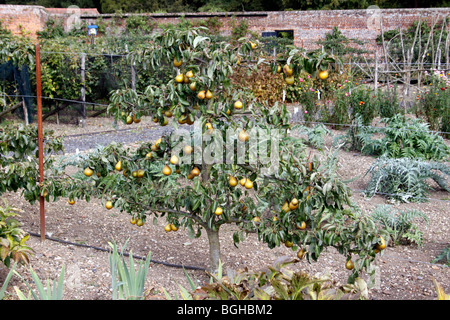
<point x="214" y="249"/>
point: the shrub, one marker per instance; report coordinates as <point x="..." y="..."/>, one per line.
<point x="400" y="224"/>
<point x="53" y="29"/>
<point x="140" y="24"/>
<point x="12" y="238"/>
<point x="264" y="85"/>
<point x="400" y="138"/>
<point x="434" y="104"/>
<point x="405" y="179"/>
<point x="315" y="135"/>
<point x="354" y="102"/>
<point x="443" y="257"/>
<point x="272" y="283"/>
<point x="386" y="101"/>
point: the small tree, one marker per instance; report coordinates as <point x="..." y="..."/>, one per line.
<point x="229" y="161"/>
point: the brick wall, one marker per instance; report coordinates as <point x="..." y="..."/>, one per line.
<point x="23" y="19"/>
<point x="308" y="26"/>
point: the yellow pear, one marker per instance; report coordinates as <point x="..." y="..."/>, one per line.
<point x="381" y="246"/>
<point x="190" y="176"/>
<point x="166" y="170"/>
<point x="136" y="119"/>
<point x="195" y="171"/>
<point x="302" y="226"/>
<point x="285" y="207"/>
<point x="201" y="95"/>
<point x="88" y="172"/>
<point x="179" y="78"/>
<point x="218" y="211"/>
<point x="248" y="184"/>
<point x="323" y="74"/>
<point x="293" y="204"/>
<point x="243" y="135"/>
<point x="289" y="80"/>
<point x="174" y="159"/>
<point x="119" y="165"/>
<point x="238" y="105"/>
<point x="288" y="70"/>
<point x="177" y="63"/>
<point x="208" y="94"/>
<point x="183" y="119"/>
<point x="349" y="264"/>
<point x="109" y="205"/>
<point x="188" y="150"/>
<point x="168" y="113"/>
<point x="232" y="181"/>
<point x="301" y="254"/>
<point x="189" y="74"/>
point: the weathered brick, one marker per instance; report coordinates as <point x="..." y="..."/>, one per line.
<point x="308" y="26"/>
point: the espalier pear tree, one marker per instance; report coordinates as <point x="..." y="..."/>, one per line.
<point x="227" y="158"/>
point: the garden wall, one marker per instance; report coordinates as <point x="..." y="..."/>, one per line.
<point x="307" y="26"/>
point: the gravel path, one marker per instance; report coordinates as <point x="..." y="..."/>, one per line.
<point x="84" y="142"/>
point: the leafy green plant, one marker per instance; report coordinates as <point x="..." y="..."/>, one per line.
<point x="315" y="135"/>
<point x="6" y="281"/>
<point x="275" y="282"/>
<point x="400" y="224"/>
<point x="443" y="257"/>
<point x="12" y="238"/>
<point x="127" y="283"/>
<point x="186" y="294"/>
<point x="53" y="29"/>
<point x="48" y="292"/>
<point x="433" y="104"/>
<point x="405" y="179"/>
<point x="342" y="46"/>
<point x="139" y="24"/>
<point x="386" y="102"/>
<point x="400" y="138"/>
<point x="19" y="168"/>
<point x="355" y="101"/>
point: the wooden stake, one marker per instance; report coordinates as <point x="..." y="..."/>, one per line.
<point x="40" y="138"/>
<point x="83" y="88"/>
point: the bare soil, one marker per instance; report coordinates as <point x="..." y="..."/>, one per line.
<point x="404" y="272"/>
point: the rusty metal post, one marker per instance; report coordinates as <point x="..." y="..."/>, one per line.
<point x="40" y="137"/>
